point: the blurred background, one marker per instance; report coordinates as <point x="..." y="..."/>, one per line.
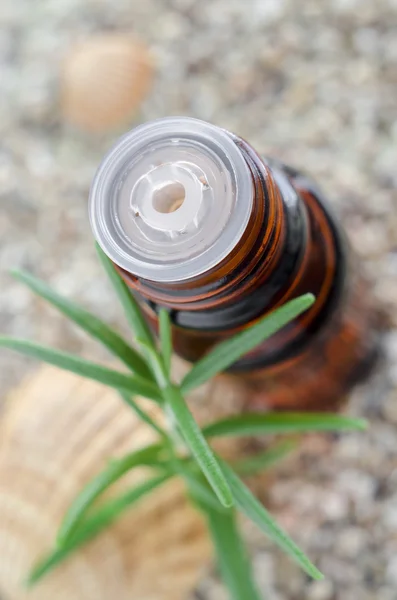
<point x="311" y="83"/>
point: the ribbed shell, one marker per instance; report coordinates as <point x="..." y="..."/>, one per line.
<point x="58" y="431"/>
<point x="104" y="81"/>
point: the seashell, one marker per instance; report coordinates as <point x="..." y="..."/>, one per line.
<point x="58" y="431"/>
<point x="104" y="81"/>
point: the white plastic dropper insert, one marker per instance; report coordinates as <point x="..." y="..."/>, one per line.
<point x="171" y="199"/>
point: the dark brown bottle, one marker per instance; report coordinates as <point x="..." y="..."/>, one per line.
<point x="198" y="223"/>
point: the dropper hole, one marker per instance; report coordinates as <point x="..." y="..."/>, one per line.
<point x="169" y="197"/>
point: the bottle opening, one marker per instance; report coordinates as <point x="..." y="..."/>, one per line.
<point x="171" y="199"/>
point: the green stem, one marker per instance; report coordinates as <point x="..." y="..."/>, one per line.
<point x="231" y="554"/>
<point x="191" y="432"/>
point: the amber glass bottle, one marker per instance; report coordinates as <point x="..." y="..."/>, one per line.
<point x="198" y="223"/>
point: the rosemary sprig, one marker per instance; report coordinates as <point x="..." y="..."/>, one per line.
<point x="183" y="449"/>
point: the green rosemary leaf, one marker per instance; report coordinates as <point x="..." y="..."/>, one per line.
<point x="85" y="368"/>
<point x="89" y="322"/>
<point x="143" y="415"/>
<point x="155" y="363"/>
<point x="254" y="510"/>
<point x="226" y="353"/>
<point x="196" y="442"/>
<point x="197" y="487"/>
<point x="93" y="525"/>
<point x="130" y="305"/>
<point x="116" y="469"/>
<point x="270" y="423"/>
<point x="265" y="460"/>
<point x="231" y="554"/>
<point x="165" y="338"/>
<point x="199" y="492"/>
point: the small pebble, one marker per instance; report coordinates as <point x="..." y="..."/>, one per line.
<point x="320" y="590"/>
<point x="391" y="570"/>
<point x="351" y="542"/>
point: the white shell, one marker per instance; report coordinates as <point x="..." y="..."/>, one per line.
<point x="104" y="81"/>
<point x="59" y="431"/>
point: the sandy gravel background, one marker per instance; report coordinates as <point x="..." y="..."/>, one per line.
<point x="313" y="83"/>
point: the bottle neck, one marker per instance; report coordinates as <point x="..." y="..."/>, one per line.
<point x="254" y="275"/>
